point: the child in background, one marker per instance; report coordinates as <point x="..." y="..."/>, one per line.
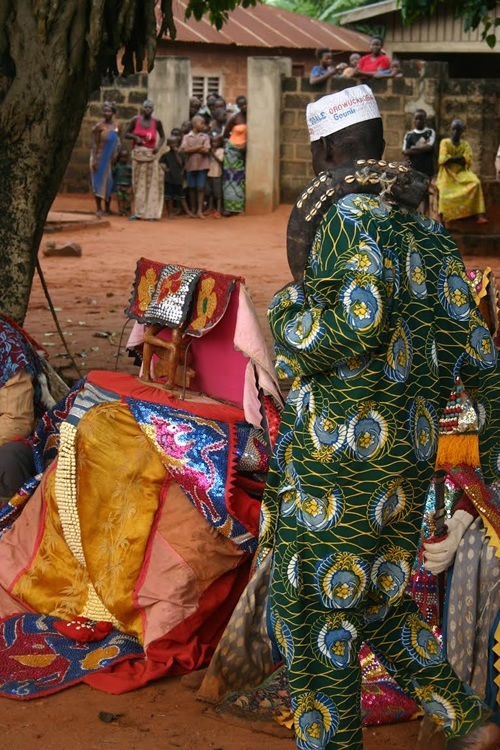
<point x="122" y="178"/>
<point x="172" y="165"/>
<point x="418" y="146"/>
<point x="213" y="190"/>
<point x="196" y="146"/>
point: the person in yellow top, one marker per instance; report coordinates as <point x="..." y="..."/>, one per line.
<point x="460" y="192"/>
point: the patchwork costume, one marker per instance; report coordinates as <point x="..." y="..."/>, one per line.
<point x="372" y="337"/>
<point x="141" y="528"/>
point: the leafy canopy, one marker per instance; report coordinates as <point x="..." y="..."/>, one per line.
<point x="475" y="13"/>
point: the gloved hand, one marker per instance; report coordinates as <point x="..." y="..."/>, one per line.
<point x="439" y="555"/>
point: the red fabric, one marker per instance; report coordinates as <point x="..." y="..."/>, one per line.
<point x="244" y="508"/>
<point x="189" y="646"/>
<point x="83" y="630"/>
<point x="128" y="386"/>
<point x="148" y="135"/>
<point x="466" y="504"/>
<point x="369" y="64"/>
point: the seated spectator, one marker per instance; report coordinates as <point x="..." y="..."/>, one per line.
<point x="24" y="393"/>
<point x="24" y="396"/>
<point x="376" y="61"/>
<point x="325" y="68"/>
<point x="460" y="192"/>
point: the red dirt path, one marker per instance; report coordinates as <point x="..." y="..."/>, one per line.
<point x="91" y="293"/>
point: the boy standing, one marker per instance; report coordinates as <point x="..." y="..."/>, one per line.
<point x="213" y="190"/>
<point x="418" y="146"/>
<point x="172" y="165"/>
<point x="196" y="146"/>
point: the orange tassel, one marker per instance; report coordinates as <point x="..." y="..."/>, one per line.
<point x="456" y="449"/>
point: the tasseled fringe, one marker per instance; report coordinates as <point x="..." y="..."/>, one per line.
<point x="458" y="449"/>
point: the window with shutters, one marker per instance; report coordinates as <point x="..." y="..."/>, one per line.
<point x="202" y="86"/>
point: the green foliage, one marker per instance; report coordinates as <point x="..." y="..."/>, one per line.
<point x="136" y="25"/>
<point x="324" y="10"/>
<point x="475" y="13"/>
<point x="332" y="9"/>
<point x="216" y="10"/>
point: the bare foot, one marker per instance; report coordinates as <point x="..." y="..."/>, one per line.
<point x="200" y="216"/>
<point x="482" y="220"/>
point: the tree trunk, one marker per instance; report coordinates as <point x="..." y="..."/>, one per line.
<point x="46" y="74"/>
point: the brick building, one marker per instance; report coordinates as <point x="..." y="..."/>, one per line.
<point x="219" y="58"/>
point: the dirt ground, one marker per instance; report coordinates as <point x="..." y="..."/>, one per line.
<point x="90" y="294"/>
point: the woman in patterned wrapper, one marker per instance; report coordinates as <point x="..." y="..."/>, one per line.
<point x="233" y="186"/>
<point x="103" y="155"/>
<point x="460" y="191"/>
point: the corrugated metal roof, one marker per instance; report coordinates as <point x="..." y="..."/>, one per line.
<point x="267" y="26"/>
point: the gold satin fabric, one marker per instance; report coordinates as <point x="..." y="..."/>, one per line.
<point x="118" y="482"/>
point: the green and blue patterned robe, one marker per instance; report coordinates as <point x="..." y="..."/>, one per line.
<point x="373" y="338"/>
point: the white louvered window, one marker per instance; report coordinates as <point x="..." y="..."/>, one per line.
<point x="202" y="86"/>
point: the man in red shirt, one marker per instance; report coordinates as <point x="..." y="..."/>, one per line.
<point x="375" y="63"/>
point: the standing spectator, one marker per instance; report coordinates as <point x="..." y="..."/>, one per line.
<point x="219" y="119"/>
<point x="325" y="68"/>
<point x="460" y="192"/>
<point x="194" y="106"/>
<point x="352" y="68"/>
<point x="375" y="63"/>
<point x="103" y="154"/>
<point x="233" y="181"/>
<point x="418" y="146"/>
<point x="196" y="146"/>
<point x="122" y="178"/>
<point x="172" y="165"/>
<point x="213" y="191"/>
<point x="396" y="69"/>
<point x="207" y="112"/>
<point x="147" y="136"/>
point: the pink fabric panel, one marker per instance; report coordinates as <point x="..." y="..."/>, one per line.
<point x="10" y="606"/>
<point x="169" y="592"/>
<point x="220" y="369"/>
<point x="18" y="546"/>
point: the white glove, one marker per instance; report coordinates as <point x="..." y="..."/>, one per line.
<point x="438" y="556"/>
